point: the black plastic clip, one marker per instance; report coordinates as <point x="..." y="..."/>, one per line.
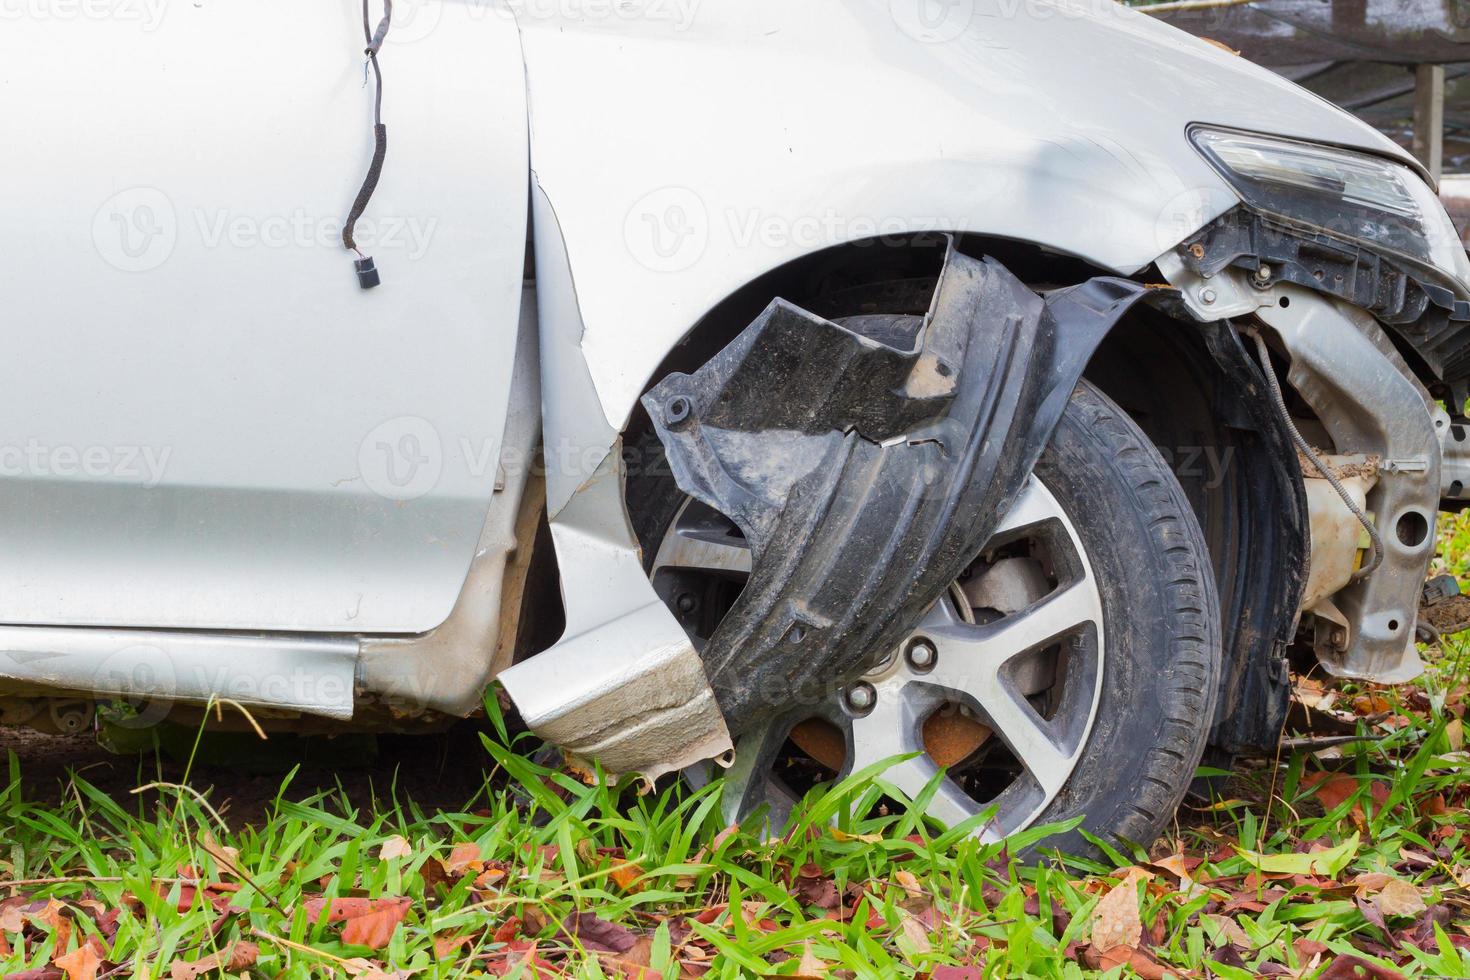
<point x="367" y="273"/>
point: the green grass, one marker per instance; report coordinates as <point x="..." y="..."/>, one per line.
<point x="1297" y="862"/>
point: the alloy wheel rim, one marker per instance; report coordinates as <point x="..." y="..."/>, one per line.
<point x="1027" y="675"/>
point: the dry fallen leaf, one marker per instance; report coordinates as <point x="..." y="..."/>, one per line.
<point x="1398" y="897"/>
<point x="227" y="858"/>
<point x="915" y="935"/>
<point x="375" y="929"/>
<point x="626" y="876"/>
<point x="1231" y="930"/>
<point x="394" y="847"/>
<point x="369" y="921"/>
<point x="53" y="917"/>
<point x="81" y="963"/>
<point x="909" y="882"/>
<point x="811" y="965"/>
<point x="1139" y="960"/>
<point x="239" y="956"/>
<point x="463" y="858"/>
<point x="1115" y="918"/>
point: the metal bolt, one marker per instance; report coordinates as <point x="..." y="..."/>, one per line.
<point x="676" y="411"/>
<point x="1264" y="273"/>
<point x="686" y="602"/>
<point x="922" y="655"/>
<point x="1207" y="297"/>
<point x="861" y="697"/>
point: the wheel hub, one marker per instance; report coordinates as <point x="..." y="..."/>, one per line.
<point x="996" y="690"/>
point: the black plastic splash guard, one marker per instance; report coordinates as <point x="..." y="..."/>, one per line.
<point x="867" y="471"/>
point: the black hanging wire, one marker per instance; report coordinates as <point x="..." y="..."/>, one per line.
<point x="367" y="273"/>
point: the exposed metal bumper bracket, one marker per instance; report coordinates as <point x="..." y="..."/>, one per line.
<point x="867" y="463"/>
<point x="1345" y="367"/>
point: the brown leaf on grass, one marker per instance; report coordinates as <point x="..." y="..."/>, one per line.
<point x="1115" y="918"/>
<point x="597" y="935"/>
<point x="1356" y="968"/>
<point x="238" y="956"/>
<point x="375" y="929"/>
<point x="811" y="966"/>
<point x="1141" y="961"/>
<point x="914" y="935"/>
<point x="12" y="918"/>
<point x="1398" y="897"/>
<point x="507" y="930"/>
<point x="53" y="916"/>
<point x="81" y="963"/>
<point x="463" y="858"/>
<point x="394" y="847"/>
<point x="369" y="921"/>
<point x="627" y="876"/>
<point x="1230" y="930"/>
<point x="445" y="947"/>
<point x="946" y="972"/>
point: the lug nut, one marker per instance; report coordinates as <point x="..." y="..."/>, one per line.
<point x="861" y="697"/>
<point x="922" y="655"/>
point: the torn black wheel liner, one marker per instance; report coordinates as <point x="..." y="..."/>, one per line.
<point x="867" y="467"/>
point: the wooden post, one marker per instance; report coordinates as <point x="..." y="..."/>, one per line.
<point x="1429" y="118"/>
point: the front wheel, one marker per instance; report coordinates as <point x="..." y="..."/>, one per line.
<point x="1071" y="670"/>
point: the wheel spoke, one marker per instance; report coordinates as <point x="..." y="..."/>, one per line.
<point x="963" y="647"/>
<point x="1021" y="728"/>
<point x="1034" y="506"/>
<point x="972" y="662"/>
<point x="893" y="728"/>
<point x="749" y="782"/>
<point x="700" y="552"/>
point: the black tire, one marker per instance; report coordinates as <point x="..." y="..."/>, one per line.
<point x="1162" y="625"/>
<point x="1160" y="613"/>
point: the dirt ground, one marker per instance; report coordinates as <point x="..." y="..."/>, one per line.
<point x="441" y="771"/>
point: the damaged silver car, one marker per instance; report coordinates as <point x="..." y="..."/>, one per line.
<point x="997" y="396"/>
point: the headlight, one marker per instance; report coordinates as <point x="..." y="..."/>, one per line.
<point x="1377" y="203"/>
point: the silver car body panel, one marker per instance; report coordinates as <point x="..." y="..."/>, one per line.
<point x="205" y="423"/>
<point x="758" y="131"/>
<point x="314" y="675"/>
